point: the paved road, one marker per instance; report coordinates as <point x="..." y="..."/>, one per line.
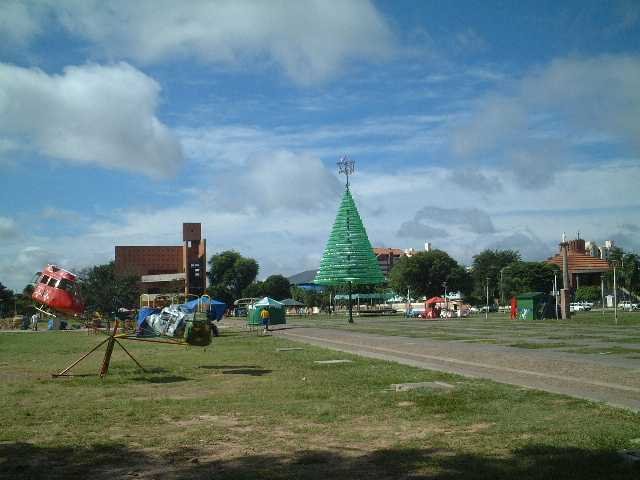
<point x="615" y="381"/>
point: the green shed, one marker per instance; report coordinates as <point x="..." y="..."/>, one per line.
<point x="276" y="312"/>
<point x="532" y="305"/>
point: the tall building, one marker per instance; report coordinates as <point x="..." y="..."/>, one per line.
<point x="164" y="269"/>
<point x="602" y="252"/>
<point x="388" y="257"/>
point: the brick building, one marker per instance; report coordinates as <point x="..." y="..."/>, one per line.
<point x="164" y="269"/>
<point x="387" y="258"/>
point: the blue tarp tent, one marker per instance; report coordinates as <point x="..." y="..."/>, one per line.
<point x="215" y="311"/>
<point x="144" y="313"/>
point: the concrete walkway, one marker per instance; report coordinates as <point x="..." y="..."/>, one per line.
<point x="590" y="377"/>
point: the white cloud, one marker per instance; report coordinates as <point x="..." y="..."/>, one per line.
<point x="19" y="268"/>
<point x="283" y="180"/>
<point x="437" y="221"/>
<point x="233" y="145"/>
<point x="265" y="213"/>
<point x="537" y="127"/>
<point x="89" y="115"/>
<point x="17" y="24"/>
<point x="61" y="215"/>
<point x="309" y="39"/>
<point x="525" y="241"/>
<point x="8" y="228"/>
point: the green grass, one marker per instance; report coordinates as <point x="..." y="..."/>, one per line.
<point x="240" y="409"/>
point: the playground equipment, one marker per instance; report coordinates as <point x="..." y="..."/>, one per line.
<point x="189" y="323"/>
<point x="56" y="292"/>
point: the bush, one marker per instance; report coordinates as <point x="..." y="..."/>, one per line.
<point x="588" y="294"/>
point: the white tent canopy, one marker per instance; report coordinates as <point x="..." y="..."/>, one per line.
<point x="268" y="302"/>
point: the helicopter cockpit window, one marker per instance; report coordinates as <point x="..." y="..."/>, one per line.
<point x="66" y="285"/>
<point x="44" y="279"/>
<point x="52" y="282"/>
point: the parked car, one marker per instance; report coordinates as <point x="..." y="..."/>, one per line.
<point x="490" y="308"/>
<point x="629" y="306"/>
<point x="576" y="307"/>
<point x="586" y="305"/>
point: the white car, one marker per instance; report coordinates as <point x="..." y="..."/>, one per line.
<point x="576" y="307"/>
<point x="628" y="306"/>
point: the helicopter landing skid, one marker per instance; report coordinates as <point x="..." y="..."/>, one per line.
<point x="45" y="310"/>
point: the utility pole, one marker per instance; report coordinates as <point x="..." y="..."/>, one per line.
<point x="615" y="295"/>
<point x="446" y="305"/>
<point x="602" y="293"/>
<point x="555" y="292"/>
<point x="350" y="305"/>
<point x="564" y="293"/>
<point x="408" y="303"/>
<point x="486" y="312"/>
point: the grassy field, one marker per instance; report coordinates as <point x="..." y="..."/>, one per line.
<point x="242" y="409"/>
<point x="586" y="332"/>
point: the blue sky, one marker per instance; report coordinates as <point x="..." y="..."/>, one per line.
<point x="473" y="125"/>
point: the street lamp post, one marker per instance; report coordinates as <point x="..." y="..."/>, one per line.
<point x="502" y="285"/>
<point x="555" y="292"/>
<point x="446" y="305"/>
<point x="602" y="293"/>
<point x="615" y="295"/>
<point x="486" y="311"/>
<point x="408" y="303"/>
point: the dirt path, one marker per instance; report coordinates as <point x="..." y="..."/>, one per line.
<point x="581" y="376"/>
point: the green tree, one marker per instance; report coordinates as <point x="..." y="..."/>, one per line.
<point x="627" y="269"/>
<point x="229" y="274"/>
<point x="104" y="292"/>
<point x="520" y="277"/>
<point x="276" y="286"/>
<point x="630" y="268"/>
<point x="6" y="301"/>
<point x="489" y="264"/>
<point x="311" y="298"/>
<point x="23" y="302"/>
<point x="18" y="303"/>
<point x="588" y="294"/>
<point x="425" y="272"/>
<point x="218" y="292"/>
<point x="255" y="290"/>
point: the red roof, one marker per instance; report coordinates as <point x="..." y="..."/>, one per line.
<point x="581" y="263"/>
<point x="435" y="300"/>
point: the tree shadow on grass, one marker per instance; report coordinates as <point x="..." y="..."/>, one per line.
<point x="222" y="367"/>
<point x="110" y="461"/>
<point x="253" y="372"/>
<point x="162" y="379"/>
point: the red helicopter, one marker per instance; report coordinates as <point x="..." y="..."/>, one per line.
<point x="55" y="290"/>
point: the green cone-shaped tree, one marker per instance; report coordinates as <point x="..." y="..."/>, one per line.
<point x="348" y="257"/>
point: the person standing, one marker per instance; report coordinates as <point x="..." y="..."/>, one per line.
<point x="265" y="315"/>
<point x="34" y="322"/>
